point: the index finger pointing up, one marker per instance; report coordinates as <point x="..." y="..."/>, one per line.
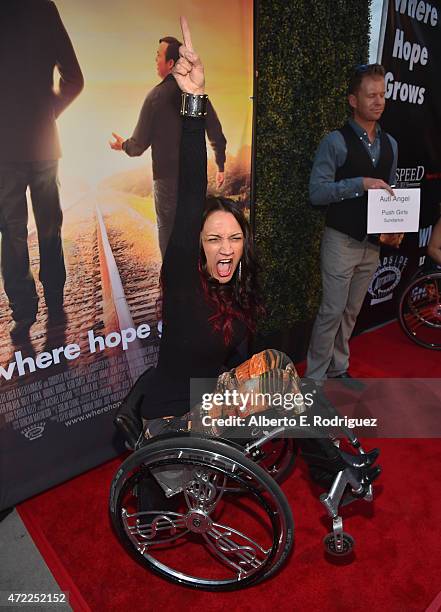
<point x="186" y="33"/>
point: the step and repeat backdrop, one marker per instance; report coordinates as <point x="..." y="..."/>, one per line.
<point x="410" y="49"/>
<point x="61" y="383"/>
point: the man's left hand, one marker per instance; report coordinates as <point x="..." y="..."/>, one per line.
<point x="392" y="240"/>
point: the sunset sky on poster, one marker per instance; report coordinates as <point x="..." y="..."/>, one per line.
<point x="116" y="43"/>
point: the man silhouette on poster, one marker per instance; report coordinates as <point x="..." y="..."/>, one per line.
<point x="159" y="127"/>
<point x="33" y="41"/>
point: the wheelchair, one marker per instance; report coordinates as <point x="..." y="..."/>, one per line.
<point x="222" y="521"/>
<point x="419" y="310"/>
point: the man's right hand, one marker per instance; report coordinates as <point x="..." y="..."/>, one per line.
<point x="116" y="144"/>
<point x="376" y="183"/>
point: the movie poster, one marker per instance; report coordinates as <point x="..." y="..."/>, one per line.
<point x="62" y="379"/>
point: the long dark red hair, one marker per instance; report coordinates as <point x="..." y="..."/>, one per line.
<point x="239" y="298"/>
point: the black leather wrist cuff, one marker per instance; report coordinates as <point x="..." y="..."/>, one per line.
<point x="194" y="105"/>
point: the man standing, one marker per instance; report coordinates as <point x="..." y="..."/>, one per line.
<point x="33" y="41"/>
<point x="159" y="126"/>
<point x="348" y="162"/>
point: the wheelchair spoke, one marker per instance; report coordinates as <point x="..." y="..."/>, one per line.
<point x="424" y="303"/>
<point x="204" y="491"/>
<point x="427" y="315"/>
<point x="235" y="549"/>
<point x="208" y="538"/>
<point x="154" y="527"/>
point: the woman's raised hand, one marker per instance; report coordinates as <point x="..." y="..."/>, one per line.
<point x="188" y="70"/>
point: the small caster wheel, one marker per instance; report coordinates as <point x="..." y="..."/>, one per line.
<point x="336" y="548"/>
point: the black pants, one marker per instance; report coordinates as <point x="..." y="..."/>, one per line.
<point x="165" y="194"/>
<point x="42" y="179"/>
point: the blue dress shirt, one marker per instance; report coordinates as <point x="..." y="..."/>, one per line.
<point x="331" y="154"/>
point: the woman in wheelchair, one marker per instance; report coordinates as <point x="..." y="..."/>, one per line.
<point x="210" y="307"/>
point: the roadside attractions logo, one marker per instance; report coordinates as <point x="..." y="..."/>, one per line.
<point x="387" y="278"/>
<point x="34" y="431"/>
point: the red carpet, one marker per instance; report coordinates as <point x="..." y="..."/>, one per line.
<point x="397" y="557"/>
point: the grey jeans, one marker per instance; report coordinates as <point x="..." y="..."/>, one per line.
<point x="347" y="267"/>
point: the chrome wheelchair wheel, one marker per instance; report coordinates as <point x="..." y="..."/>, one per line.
<point x="420" y="310"/>
<point x="276" y="456"/>
<point x="211" y="539"/>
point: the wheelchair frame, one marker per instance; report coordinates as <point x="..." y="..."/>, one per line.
<point x="419" y="310"/>
<point x="205" y="471"/>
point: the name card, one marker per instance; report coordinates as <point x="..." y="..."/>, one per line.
<point x="388" y="214"/>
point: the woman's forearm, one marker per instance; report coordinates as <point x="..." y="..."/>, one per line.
<point x="192" y="183"/>
<point x="180" y="265"/>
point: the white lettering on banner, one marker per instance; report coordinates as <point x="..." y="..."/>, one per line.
<point x="386" y="278"/>
<point x="115" y="338"/>
<point x="424" y="236"/>
<point x="42" y="360"/>
<point x="419" y="10"/>
<point x="27" y="365"/>
<point x="414" y="94"/>
<point x="412" y="53"/>
<point x="409" y="175"/>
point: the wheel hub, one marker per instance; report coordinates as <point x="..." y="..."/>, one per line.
<point x="198" y="522"/>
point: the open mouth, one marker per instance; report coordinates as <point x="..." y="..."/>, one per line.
<point x="224" y="267"/>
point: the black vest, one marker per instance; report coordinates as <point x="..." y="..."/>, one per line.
<point x="350" y="216"/>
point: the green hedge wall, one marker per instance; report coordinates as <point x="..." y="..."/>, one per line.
<point x="305" y="51"/>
